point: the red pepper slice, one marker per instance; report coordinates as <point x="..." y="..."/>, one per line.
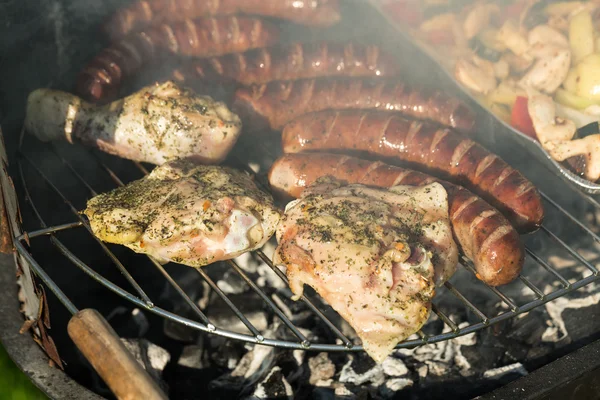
<point x="520" y="119"/>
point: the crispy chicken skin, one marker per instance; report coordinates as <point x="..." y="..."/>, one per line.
<point x="186" y="213"/>
<point x="370" y="253"/>
<point x="157" y="124"/>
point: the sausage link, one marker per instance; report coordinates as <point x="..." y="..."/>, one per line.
<point x="484" y="235"/>
<point x="142" y="13"/>
<point x="292" y="62"/>
<point x="423" y="146"/>
<point x="275" y="104"/>
<point x="102" y="78"/>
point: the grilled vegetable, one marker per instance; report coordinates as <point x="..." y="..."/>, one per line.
<point x="520" y="118"/>
<point x="581" y="35"/>
<point x="588" y="85"/>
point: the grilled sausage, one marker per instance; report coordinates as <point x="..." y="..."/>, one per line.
<point x="275" y="104"/>
<point x="102" y="78"/>
<point x="142" y="13"/>
<point x="292" y="62"/>
<point x="484" y="235"/>
<point x="424" y="146"/>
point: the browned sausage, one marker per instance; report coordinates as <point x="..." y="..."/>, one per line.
<point x="275" y="104"/>
<point x="102" y="78"/>
<point x="292" y="62"/>
<point x="142" y="13"/>
<point x="423" y="146"/>
<point x="484" y="235"/>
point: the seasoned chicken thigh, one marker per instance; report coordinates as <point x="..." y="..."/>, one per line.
<point x="186" y="213"/>
<point x="159" y="123"/>
<point x="371" y="254"/>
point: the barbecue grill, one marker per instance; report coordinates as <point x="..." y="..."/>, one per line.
<point x="54" y="241"/>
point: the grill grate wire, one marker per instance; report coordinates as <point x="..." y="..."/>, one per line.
<point x="202" y="323"/>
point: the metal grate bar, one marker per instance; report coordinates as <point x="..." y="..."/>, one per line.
<point x="570" y="250"/>
<point x="347" y="342"/>
<point x="157" y="265"/>
<point x="535" y="289"/>
<point x="548" y="268"/>
<point x="444" y="318"/>
<point x="303" y="340"/>
<point x="62" y="297"/>
<point x="466" y="302"/>
<point x="107" y="251"/>
<point x="254" y="336"/>
<point x="572" y="218"/>
<point x="182" y="293"/>
<point x="469" y="266"/>
<point x="142" y="169"/>
<point x="230" y="304"/>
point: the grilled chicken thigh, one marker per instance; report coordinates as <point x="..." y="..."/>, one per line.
<point x="370" y="253"/>
<point x="159" y="123"/>
<point x="186" y="213"/>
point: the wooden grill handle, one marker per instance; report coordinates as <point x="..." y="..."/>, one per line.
<point x="101" y="346"/>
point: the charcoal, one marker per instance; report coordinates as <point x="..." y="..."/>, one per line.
<point x="130" y="322"/>
<point x="226" y="354"/>
<point x="247" y="262"/>
<point x="498" y="373"/>
<point x="321" y="393"/>
<point x="192" y="357"/>
<point x="255" y="364"/>
<point x="153" y="358"/>
<point x="226" y="387"/>
<point x="528" y="328"/>
<point x="361" y="369"/>
<point x="232" y="283"/>
<point x="179" y="332"/>
<point x="292" y="365"/>
<point x="251" y="306"/>
<point x="582" y="322"/>
<point x="322" y="370"/>
<point x="274" y="386"/>
<point x="391" y="387"/>
<point x="268" y="277"/>
<point x="342" y="392"/>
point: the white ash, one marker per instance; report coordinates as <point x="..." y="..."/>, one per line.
<point x="321" y="369"/>
<point x="343" y="391"/>
<point x="274" y="386"/>
<point x="233" y="323"/>
<point x="441" y="357"/>
<point x="497" y="373"/>
<point x="259" y="359"/>
<point x="148" y="354"/>
<point x="232" y="283"/>
<point x="349" y="375"/>
<point x="205" y="298"/>
<point x="557" y="330"/>
<point x="282" y="306"/>
<point x="299" y="356"/>
<point x="268" y="277"/>
<point x="151" y="357"/>
<point x="247" y="262"/>
<point x="255" y="362"/>
<point x="392" y="386"/>
<point x="394" y="367"/>
<point x="191" y="357"/>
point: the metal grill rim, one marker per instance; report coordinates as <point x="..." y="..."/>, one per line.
<point x="141" y="300"/>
